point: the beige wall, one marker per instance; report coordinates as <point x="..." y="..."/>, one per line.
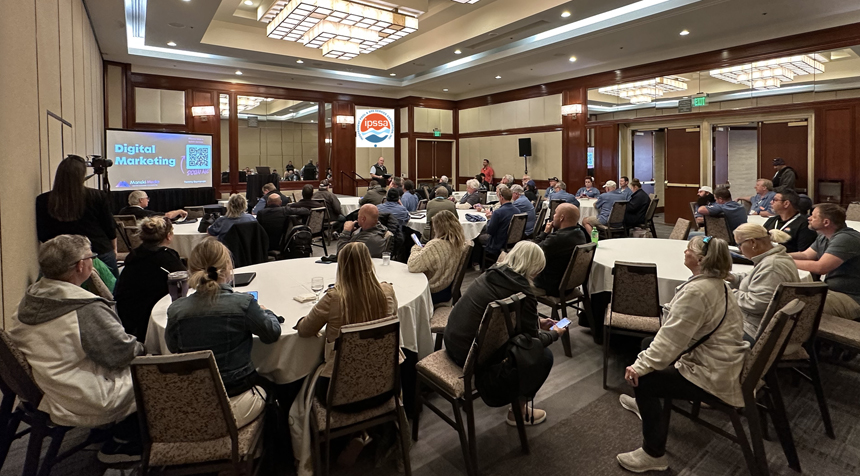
<point x="159" y="106"/>
<point x="502" y="152"/>
<point x="50" y="62"/>
<point x="427" y="119"/>
<point x="543" y="111"/>
<point x="113" y="89"/>
<point x="272" y="143"/>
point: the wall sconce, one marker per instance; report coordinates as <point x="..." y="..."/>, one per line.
<point x="203" y="111"/>
<point x="344" y="120"/>
<point x="571" y="110"/>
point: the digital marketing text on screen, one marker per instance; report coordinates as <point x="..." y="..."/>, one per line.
<point x="144" y="160"/>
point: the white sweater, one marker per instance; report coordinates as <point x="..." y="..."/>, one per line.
<point x="438" y="260"/>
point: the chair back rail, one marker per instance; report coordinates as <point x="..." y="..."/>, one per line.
<point x="578" y="269"/>
<point x="316" y="219"/>
<point x="517" y="228"/>
<point x="812" y="295"/>
<point x="681" y="230"/>
<point x="15" y="372"/>
<point x="493" y="332"/>
<point x="366" y="361"/>
<point x="461" y="273"/>
<point x="634" y="289"/>
<point x="652" y="209"/>
<point x="718" y="228"/>
<point x="616" y="216"/>
<point x="769" y="346"/>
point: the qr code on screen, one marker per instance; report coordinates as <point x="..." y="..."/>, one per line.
<point x="198" y="156"/>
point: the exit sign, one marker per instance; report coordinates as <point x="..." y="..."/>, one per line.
<point x="700" y="101"/>
<point x="437" y="133"/>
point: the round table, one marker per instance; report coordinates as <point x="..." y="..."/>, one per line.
<point x="348" y="204"/>
<point x="586" y="208"/>
<point x="186" y="237"/>
<point x="668" y="255"/>
<point x="758" y="219"/>
<point x="293" y="357"/>
<point x="470" y="229"/>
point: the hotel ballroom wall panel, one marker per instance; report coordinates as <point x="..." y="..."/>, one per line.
<point x="502" y="152"/>
<point x="427" y="119"/>
<point x="52" y="69"/>
<point x="535" y="112"/>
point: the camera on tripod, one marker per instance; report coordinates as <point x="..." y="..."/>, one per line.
<point x="99" y="164"/>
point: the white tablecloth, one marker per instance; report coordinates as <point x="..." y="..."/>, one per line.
<point x="348" y="204"/>
<point x="760" y="220"/>
<point x="293" y="357"/>
<point x="186" y="237"/>
<point x="586" y="208"/>
<point x="491" y="196"/>
<point x="668" y="255"/>
<point x="470" y="229"/>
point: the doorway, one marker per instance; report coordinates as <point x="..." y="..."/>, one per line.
<point x="435" y="159"/>
<point x="683" y="158"/>
<point x="643" y="159"/>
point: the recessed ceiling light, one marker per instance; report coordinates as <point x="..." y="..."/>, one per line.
<point x="299" y="61"/>
<point x="446" y="90"/>
<point x="685" y="33"/>
<point x="572" y="59"/>
<point x="171" y="43"/>
<point x="249" y="3"/>
<point x="393" y="74"/>
<point x="457" y="52"/>
<point x="239" y="73"/>
<point x="565" y="14"/>
<point x="498" y="77"/>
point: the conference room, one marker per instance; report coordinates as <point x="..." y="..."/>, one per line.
<point x="430" y="236"/>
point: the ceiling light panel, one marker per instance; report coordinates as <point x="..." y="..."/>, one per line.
<point x="466" y="1"/>
<point x="641" y="92"/>
<point x="780" y="69"/>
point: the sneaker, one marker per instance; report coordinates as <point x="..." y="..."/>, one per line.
<point x="639" y="461"/>
<point x="115" y="452"/>
<point x="629" y="403"/>
<point x="539" y="417"/>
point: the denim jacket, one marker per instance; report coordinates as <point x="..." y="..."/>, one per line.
<point x="226" y="327"/>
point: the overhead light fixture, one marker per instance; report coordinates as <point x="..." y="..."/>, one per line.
<point x="344" y="120"/>
<point x="243" y="103"/>
<point x="565" y="14"/>
<point x="446" y="90"/>
<point x="466" y="1"/>
<point x="498" y="77"/>
<point x="249" y="3"/>
<point x="457" y="52"/>
<point x="340" y="49"/>
<point x="641" y="92"/>
<point x="684" y="33"/>
<point x="759" y="75"/>
<point x="571" y="110"/>
<point x="299" y="61"/>
<point x="171" y="43"/>
<point x="572" y="59"/>
<point x="392" y="74"/>
<point x="203" y="111"/>
<point x="239" y="72"/>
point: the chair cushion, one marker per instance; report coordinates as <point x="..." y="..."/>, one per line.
<point x="341" y="419"/>
<point x="170" y="454"/>
<point x="839" y="330"/>
<point x="440" y="319"/>
<point x="631" y="322"/>
<point x="443" y="372"/>
<point x="553" y="301"/>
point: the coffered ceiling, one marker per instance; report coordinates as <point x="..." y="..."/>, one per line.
<point x="502" y="44"/>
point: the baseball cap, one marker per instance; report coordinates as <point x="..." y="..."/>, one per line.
<point x="705" y="188"/>
<point x="779" y="161"/>
<point x="553" y="179"/>
<point x="610" y="183"/>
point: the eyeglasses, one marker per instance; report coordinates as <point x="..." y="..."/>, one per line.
<point x="92" y="256"/>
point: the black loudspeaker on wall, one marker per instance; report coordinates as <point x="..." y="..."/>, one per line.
<point x="526" y="147"/>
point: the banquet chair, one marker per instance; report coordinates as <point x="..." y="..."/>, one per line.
<point x="757" y="365"/>
<point x="186" y="420"/>
<point x="718" y="228"/>
<point x="539" y="223"/>
<point x="746" y="203"/>
<point x="840" y="332"/>
<point x="439" y="319"/>
<point x="483" y="195"/>
<point x="635" y="307"/>
<point x="17" y="381"/>
<point x="315" y="223"/>
<point x="194" y="212"/>
<point x="694" y="208"/>
<point x="573" y="290"/>
<point x="681" y="230"/>
<point x="422" y="204"/>
<point x="125" y="220"/>
<point x="649" y="217"/>
<point x="800" y="354"/>
<point x="853" y="212"/>
<point x="516" y="232"/>
<point x="615" y="224"/>
<point x="553" y="204"/>
<point x="366" y="365"/>
<point x="442" y="375"/>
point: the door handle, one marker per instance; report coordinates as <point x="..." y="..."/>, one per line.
<point x="682" y="185"/>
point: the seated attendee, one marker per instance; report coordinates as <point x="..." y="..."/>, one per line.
<point x="507" y="180"/>
<point x="472" y="197"/>
<point x="710" y="373"/>
<point x="275" y="176"/>
<point x="637" y="206"/>
<point x="437" y="204"/>
<point x="623" y="187"/>
<point x="137" y="203"/>
<point x="278" y="220"/>
<point x="558" y="241"/>
<point x="309" y="171"/>
<point x="143" y="280"/>
<point x="357" y="296"/>
<point x="397" y="184"/>
<point x="438" y="258"/>
<point x="551" y="189"/>
<point x="603" y="205"/>
<point x="531" y="190"/>
<point x="523" y="205"/>
<point x="734" y="212"/>
<point x="560" y="193"/>
<point x="761" y="201"/>
<point x="374" y="195"/>
<point x="366" y="229"/>
<point x="835" y="253"/>
<point x="236" y="206"/>
<point x="704" y="197"/>
<point x="216" y="318"/>
<point x="789" y="219"/>
<point x="77" y="348"/>
<point x="589" y="190"/>
<point x="513" y="275"/>
<point x="290" y="166"/>
<point x="494" y="236"/>
<point x="409" y="199"/>
<point x="772" y="266"/>
<point x="443" y="182"/>
<point x="332" y="204"/>
<point x="268" y="190"/>
<point x="785" y="176"/>
<point x="483" y="181"/>
<point x="393" y="206"/>
<point x="307" y="200"/>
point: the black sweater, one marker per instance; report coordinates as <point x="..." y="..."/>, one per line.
<point x="499" y="282"/>
<point x="96" y="223"/>
<point x="558" y="247"/>
<point x="141" y="284"/>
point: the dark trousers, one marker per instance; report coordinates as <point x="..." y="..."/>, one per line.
<point x="478" y="249"/>
<point x="109" y="259"/>
<point x="666" y="384"/>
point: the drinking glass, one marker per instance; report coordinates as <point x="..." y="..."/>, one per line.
<point x="317" y="286"/>
<point x="386" y="258"/>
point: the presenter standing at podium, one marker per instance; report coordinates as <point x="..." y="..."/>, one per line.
<point x="378" y="172"/>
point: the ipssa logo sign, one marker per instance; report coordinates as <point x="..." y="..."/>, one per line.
<point x="375" y="128"/>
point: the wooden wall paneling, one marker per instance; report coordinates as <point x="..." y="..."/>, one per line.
<point x="790" y="143"/>
<point x="456" y="130"/>
<point x="343" y="149"/>
<point x="234" y="141"/>
<point x="321" y="148"/>
<point x="574" y="146"/>
<point x="207" y="125"/>
<point x="836" y="142"/>
<point x="397" y="151"/>
<point x="605" y="153"/>
<point x="413" y="153"/>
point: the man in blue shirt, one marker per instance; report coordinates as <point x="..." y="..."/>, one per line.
<point x="734" y="212"/>
<point x="761" y="201"/>
<point x="560" y="193"/>
<point x="409" y="199"/>
<point x="551" y="189"/>
<point x="495" y="235"/>
<point x="603" y="205"/>
<point x="623" y="188"/>
<point x="523" y="205"/>
<point x="393" y="207"/>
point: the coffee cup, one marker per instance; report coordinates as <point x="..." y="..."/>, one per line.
<point x="177" y="284"/>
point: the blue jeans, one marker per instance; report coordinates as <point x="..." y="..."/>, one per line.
<point x="109" y="259"/>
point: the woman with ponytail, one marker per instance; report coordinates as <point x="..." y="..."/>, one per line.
<point x="216" y="318"/>
<point x="772" y="266"/>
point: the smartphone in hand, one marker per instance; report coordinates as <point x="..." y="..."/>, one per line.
<point x="562" y="323"/>
<point x="416" y="240"/>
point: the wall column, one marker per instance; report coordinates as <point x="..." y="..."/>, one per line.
<point x="574" y="160"/>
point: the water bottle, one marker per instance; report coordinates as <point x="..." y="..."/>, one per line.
<point x="595" y="235"/>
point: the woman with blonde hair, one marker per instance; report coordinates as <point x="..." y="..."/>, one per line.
<point x="357" y="296"/>
<point x="438" y="259"/>
<point x="697" y="354"/>
<point x="144" y="277"/>
<point x="216" y="318"/>
<point x="237" y="212"/>
<point x="514" y="274"/>
<point x="772" y="265"/>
